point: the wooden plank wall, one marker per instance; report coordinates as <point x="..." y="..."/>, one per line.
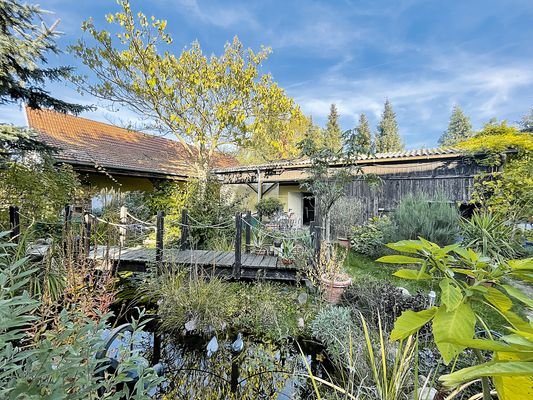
<point x="454" y="179"/>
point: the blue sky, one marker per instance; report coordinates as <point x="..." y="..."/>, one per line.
<point x="425" y="56"/>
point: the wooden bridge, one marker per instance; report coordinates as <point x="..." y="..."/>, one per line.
<point x="237" y="264"/>
<point x="221" y="263"/>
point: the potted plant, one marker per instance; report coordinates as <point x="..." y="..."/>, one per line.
<point x="333" y="280"/>
<point x="258" y="242"/>
<point x="287" y="252"/>
<point x="268" y="207"/>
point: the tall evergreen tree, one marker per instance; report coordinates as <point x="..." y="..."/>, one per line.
<point x="24" y="43"/>
<point x="332" y="138"/>
<point x="387" y="136"/>
<point x="362" y="138"/>
<point x="313" y="133"/>
<point x="526" y="125"/>
<point x="459" y="128"/>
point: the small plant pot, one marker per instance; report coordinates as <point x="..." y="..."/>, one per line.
<point x="261" y="252"/>
<point x="286" y="261"/>
<point x="334" y="288"/>
<point x="344" y="242"/>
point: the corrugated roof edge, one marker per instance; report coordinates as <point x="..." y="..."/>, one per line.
<point x="438" y="152"/>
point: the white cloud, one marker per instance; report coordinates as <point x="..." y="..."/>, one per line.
<point x="422" y="99"/>
<point x="222" y="15"/>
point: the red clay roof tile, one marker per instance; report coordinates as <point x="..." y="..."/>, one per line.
<point x="87" y="142"/>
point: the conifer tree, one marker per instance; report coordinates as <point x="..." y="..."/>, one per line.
<point x="526" y="125"/>
<point x="388" y="137"/>
<point x="359" y="139"/>
<point x="314" y="133"/>
<point x="333" y="134"/>
<point x="24" y="42"/>
<point x="459" y="128"/>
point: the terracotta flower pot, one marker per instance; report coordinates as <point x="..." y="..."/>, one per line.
<point x="334" y="288"/>
<point x="260" y="252"/>
<point x="344" y="242"/>
<point x="286" y="261"/>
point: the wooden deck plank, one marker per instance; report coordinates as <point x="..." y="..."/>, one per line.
<point x="247" y="259"/>
<point x="254" y="260"/>
<point x="211" y="256"/>
<point x="227" y="260"/>
<point x="265" y="262"/>
<point x="274" y="261"/>
<point x="220" y="256"/>
<point x="254" y="266"/>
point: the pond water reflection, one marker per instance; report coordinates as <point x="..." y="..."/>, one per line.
<point x="259" y="371"/>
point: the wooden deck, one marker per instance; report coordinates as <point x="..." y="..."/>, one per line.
<point x="221" y="263"/>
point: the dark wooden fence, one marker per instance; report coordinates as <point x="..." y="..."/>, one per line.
<point x="453" y="180"/>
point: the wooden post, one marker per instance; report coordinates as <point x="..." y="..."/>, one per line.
<point x="184" y="229"/>
<point x="86" y="233"/>
<point x="159" y="234"/>
<point x="67" y="223"/>
<point x="14" y="223"/>
<point x="259" y="186"/>
<point x="248" y="231"/>
<point x="312" y="232"/>
<point x="67" y="219"/>
<point x="156" y="351"/>
<point x="123" y="221"/>
<point x="317" y="235"/>
<point x="238" y="243"/>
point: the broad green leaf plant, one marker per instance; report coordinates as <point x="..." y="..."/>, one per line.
<point x="466" y="278"/>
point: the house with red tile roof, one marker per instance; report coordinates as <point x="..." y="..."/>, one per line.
<point x="108" y="156"/>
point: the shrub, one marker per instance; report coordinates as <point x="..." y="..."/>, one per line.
<point x="346" y="345"/>
<point x="40" y="189"/>
<point x="210" y="207"/>
<point x="369" y="239"/>
<point x="60" y="362"/>
<point x="373" y="368"/>
<point x="268" y="207"/>
<point x="419" y="216"/>
<point x="334" y="327"/>
<point x="491" y="236"/>
<point x="345" y="214"/>
<point x="381" y="298"/>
